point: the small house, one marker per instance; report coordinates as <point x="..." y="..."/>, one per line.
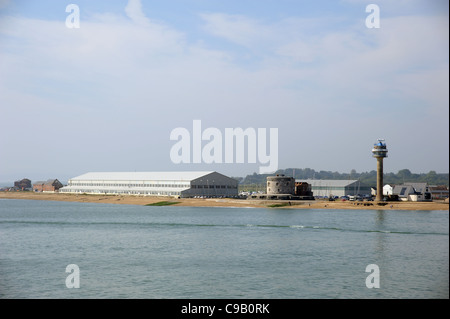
<point x="416" y="192"/>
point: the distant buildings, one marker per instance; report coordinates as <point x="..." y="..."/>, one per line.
<point x="51" y="185"/>
<point x="279" y="185"/>
<point x="414" y="192"/>
<point x="213" y="184"/>
<point x="283" y="187"/>
<point x="420" y="192"/>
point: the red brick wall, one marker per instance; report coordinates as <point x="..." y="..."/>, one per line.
<point x="37" y="187"/>
<point x="48" y="188"/>
<point x="43" y="188"/>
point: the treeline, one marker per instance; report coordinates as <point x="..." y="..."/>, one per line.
<point x="369" y="178"/>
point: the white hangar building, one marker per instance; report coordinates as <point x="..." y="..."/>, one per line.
<point x="322" y="187"/>
<point x="183" y="184"/>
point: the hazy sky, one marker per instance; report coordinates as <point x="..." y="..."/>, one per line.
<point x="106" y="96"/>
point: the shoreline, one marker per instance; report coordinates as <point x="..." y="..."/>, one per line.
<point x="223" y="202"/>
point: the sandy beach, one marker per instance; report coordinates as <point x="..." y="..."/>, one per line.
<point x="224" y="202"/>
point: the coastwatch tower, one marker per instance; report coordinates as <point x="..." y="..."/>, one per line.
<point x="379" y="151"/>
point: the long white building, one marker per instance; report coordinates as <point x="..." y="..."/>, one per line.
<point x="321" y="187"/>
<point x="183" y="184"/>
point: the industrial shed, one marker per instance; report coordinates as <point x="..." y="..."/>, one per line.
<point x="323" y="187"/>
<point x="182" y="184"/>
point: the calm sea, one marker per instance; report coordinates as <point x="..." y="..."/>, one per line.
<point x="125" y="251"/>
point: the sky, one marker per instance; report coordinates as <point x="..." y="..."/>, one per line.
<point x="106" y="96"/>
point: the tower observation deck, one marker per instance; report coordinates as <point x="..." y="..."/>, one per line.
<point x="379" y="151"/>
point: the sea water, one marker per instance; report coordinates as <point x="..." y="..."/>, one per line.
<point x="126" y="251"/>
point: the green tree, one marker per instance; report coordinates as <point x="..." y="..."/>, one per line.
<point x="404" y="175"/>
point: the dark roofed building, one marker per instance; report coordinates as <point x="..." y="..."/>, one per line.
<point x="403" y="191"/>
<point x="412" y="192"/>
<point x="23" y="184"/>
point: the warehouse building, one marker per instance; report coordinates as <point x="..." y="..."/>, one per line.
<point x="322" y="187"/>
<point x="178" y="184"/>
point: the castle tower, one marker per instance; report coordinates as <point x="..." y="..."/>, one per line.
<point x="379" y="151"/>
<point x="280" y="184"/>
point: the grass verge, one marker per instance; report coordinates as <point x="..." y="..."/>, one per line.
<point x="278" y="205"/>
<point x="163" y="203"/>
